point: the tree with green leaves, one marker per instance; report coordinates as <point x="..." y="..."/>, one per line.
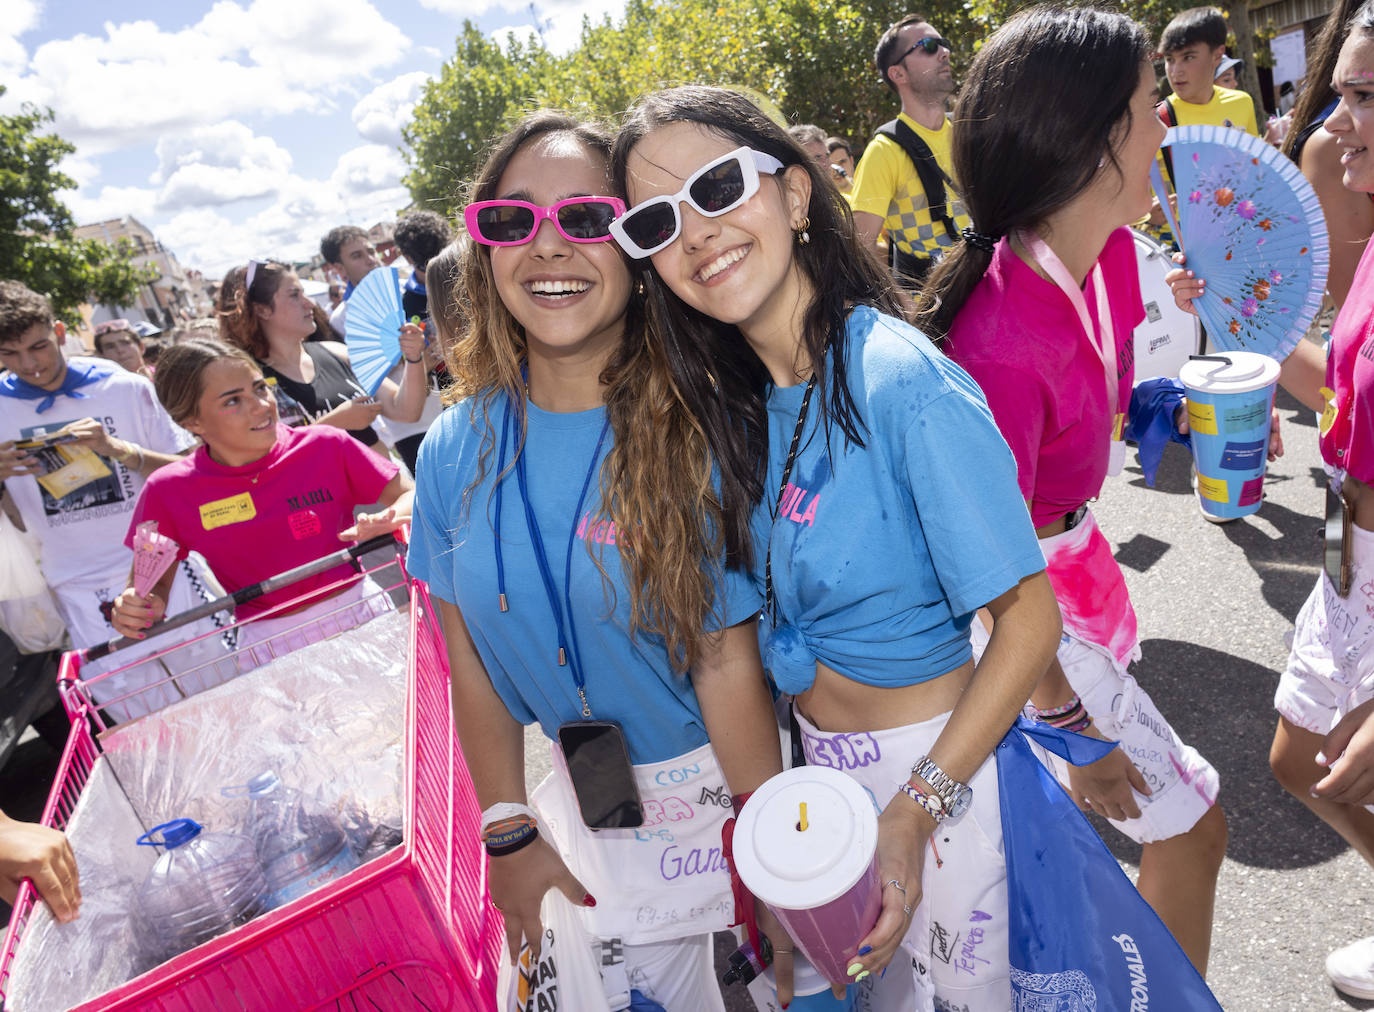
<point x="37" y="242"/>
<point x="812" y="58"/>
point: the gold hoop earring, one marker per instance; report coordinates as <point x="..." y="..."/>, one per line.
<point x="803" y="236"/>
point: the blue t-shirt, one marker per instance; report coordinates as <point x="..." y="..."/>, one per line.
<point x="882" y="553"/>
<point x="628" y="681"/>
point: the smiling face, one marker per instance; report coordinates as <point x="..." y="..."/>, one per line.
<point x="737" y="268"/>
<point x="35" y="357"/>
<point x="289" y="315"/>
<point x="569" y="297"/>
<point x="1191" y="69"/>
<point x="1353" y="121"/>
<point x="236" y="414"/>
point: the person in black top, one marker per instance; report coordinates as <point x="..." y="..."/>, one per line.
<point x="264" y="310"/>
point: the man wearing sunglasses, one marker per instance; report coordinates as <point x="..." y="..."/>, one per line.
<point x="904" y="181"/>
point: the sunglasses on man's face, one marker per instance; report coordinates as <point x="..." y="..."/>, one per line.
<point x="516" y="222"/>
<point x="714" y="189"/>
<point x="930" y="45"/>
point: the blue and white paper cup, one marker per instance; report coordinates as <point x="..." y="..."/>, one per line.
<point x="1230" y="403"/>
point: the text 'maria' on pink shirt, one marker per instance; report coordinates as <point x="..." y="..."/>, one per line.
<point x="281" y="511"/>
<point x="1020" y="338"/>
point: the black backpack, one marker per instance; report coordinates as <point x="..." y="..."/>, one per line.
<point x="933" y="180"/>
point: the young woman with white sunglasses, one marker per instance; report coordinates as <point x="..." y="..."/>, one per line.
<point x="885" y="507"/>
<point x="567" y="520"/>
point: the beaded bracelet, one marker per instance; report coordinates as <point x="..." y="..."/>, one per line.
<point x="1058" y="711"/>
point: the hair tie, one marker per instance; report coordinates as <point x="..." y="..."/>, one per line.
<point x="979" y="240"/>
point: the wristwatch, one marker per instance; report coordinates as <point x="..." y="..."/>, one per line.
<point x="954" y="796"/>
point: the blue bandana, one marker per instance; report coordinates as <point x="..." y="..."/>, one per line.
<point x="415" y="284"/>
<point x="79" y="374"/>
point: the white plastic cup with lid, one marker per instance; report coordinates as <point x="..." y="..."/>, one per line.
<point x="806" y="845"/>
<point x="1230" y="402"/>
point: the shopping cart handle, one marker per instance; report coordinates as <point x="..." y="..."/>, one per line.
<point x="243" y="595"/>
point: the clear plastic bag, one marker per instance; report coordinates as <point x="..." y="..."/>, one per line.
<point x="28" y="613"/>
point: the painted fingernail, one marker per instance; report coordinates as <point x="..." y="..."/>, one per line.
<point x="884" y="973"/>
<point x="589" y="900"/>
<point x="860" y="976"/>
<point x="786" y="1003"/>
<point x="865" y="950"/>
<point x="853" y="968"/>
<point x="1321" y="759"/>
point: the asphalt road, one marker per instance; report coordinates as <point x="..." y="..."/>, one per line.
<point x="1214" y="604"/>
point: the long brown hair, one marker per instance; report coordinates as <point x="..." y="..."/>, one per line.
<point x="656" y="482"/>
<point x="1320" y="67"/>
<point x="720" y="376"/>
<point x="238" y="322"/>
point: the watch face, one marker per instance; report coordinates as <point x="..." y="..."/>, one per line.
<point x="961" y="802"/>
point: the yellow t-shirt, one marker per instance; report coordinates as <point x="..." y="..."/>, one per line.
<point x="1225" y="108"/>
<point x="886" y="184"/>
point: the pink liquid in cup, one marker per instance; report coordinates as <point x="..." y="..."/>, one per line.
<point x="816" y="868"/>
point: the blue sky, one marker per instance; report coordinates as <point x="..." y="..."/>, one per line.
<point x="241" y="128"/>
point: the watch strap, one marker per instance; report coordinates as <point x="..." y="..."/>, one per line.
<point x="945" y="787"/>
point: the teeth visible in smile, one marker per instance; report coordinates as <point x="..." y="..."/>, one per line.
<point x="721" y="262"/>
<point x="559" y="287"/>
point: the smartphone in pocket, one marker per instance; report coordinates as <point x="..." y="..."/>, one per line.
<point x="602" y="777"/>
<point x="1339" y="520"/>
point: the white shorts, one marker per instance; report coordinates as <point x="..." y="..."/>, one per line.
<point x="1330" y="667"/>
<point x="1184" y="783"/>
<point x="956" y="947"/>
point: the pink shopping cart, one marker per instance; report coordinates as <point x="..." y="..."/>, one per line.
<point x="412" y="929"/>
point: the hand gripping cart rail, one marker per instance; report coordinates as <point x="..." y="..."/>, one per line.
<point x="413" y="929"/>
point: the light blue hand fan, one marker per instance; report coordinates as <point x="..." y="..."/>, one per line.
<point x="372" y="327"/>
<point x="1253" y="229"/>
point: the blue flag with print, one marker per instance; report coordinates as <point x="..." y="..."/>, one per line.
<point x="1081" y="937"/>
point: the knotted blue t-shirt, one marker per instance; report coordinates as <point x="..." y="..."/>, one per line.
<point x="882" y="553"/>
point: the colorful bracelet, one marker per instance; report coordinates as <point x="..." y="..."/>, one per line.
<point x="499" y="847"/>
<point x="507" y="827"/>
<point x="1058" y="711"/>
<point x="934" y="807"/>
<point x="503" y="810"/>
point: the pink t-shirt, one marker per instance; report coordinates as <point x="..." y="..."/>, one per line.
<point x="1020" y="338"/>
<point x="281" y="511"/>
<point x="1349" y="443"/>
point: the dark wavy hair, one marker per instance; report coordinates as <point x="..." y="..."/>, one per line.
<point x="721" y="378"/>
<point x="1082" y="63"/>
<point x="1344" y="18"/>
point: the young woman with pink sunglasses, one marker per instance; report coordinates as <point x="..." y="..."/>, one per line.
<point x="568" y="520"/>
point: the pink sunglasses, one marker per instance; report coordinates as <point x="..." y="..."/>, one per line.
<point x="515" y="222"/>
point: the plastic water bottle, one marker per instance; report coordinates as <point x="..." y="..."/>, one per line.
<point x="202" y="885"/>
<point x="299" y="846"/>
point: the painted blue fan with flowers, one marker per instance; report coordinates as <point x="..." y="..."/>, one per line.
<point x="1253" y="229"/>
<point x="372" y="327"/>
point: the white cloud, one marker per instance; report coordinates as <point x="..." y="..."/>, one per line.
<point x="367" y="168"/>
<point x="112" y="202"/>
<point x="19" y="17"/>
<point x="82" y="169"/>
<point x="217" y="165"/>
<point x="382" y="112"/>
<point x="139" y="81"/>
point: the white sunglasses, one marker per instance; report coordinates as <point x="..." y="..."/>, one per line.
<point x="714" y="189"/>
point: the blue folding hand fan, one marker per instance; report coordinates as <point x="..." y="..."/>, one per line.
<point x="1253" y="229"/>
<point x="372" y="327"/>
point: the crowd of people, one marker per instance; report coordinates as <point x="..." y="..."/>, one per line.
<point x="656" y="381"/>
